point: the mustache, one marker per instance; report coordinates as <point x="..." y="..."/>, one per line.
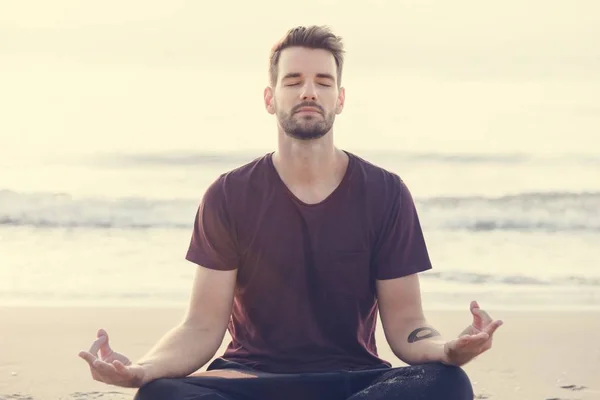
<point x="306" y="104"/>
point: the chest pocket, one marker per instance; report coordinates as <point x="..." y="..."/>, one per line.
<point x="349" y="274"/>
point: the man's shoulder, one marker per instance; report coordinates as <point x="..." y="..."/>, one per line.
<point x="232" y="182"/>
<point x="245" y="172"/>
<point x="375" y="175"/>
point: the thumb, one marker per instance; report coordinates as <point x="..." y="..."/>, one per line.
<point x="102" y="332"/>
<point x="474" y="306"/>
<point x="477" y="321"/>
<point x="105" y="349"/>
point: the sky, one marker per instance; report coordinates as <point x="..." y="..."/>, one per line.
<point x="101" y="76"/>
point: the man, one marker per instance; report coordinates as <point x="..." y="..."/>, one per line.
<point x="297" y="252"/>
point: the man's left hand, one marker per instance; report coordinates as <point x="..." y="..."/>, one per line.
<point x="474" y="340"/>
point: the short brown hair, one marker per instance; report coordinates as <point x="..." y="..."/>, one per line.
<point x="312" y="37"/>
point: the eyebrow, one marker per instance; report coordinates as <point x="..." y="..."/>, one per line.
<point x="298" y="75"/>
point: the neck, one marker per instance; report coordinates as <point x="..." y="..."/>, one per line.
<point x="309" y="161"/>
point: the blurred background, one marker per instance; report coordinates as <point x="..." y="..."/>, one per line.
<point x="115" y="117"/>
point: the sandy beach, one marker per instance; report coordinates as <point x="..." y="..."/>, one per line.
<point x="117" y="117"/>
<point x="542" y="355"/>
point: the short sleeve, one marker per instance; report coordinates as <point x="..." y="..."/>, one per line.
<point x="401" y="248"/>
<point x="212" y="244"/>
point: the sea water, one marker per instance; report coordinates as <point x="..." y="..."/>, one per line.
<point x="510" y="230"/>
<point x="107" y="146"/>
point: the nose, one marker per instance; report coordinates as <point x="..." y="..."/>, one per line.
<point x="308" y="92"/>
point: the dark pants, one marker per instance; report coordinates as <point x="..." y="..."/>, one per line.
<point x="423" y="382"/>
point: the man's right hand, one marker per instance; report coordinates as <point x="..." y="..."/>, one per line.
<point x="111" y="367"/>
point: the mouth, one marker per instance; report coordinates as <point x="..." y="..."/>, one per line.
<point x="307" y="110"/>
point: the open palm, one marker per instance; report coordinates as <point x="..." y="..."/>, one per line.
<point x="474" y="339"/>
<point x="481" y="321"/>
<point x="109" y="366"/>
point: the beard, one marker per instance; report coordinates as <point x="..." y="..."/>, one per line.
<point x="308" y="126"/>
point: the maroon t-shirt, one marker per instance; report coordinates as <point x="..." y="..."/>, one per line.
<point x="305" y="299"/>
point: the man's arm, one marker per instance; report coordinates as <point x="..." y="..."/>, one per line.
<point x="411" y="338"/>
<point x="191" y="344"/>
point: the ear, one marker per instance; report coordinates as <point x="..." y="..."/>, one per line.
<point x="268" y="96"/>
<point x="340" y="101"/>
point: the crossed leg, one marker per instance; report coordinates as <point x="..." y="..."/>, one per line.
<point x="425" y="382"/>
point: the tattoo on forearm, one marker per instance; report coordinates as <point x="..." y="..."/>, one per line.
<point x="428" y="333"/>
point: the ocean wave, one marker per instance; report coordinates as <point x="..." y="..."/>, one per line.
<point x="536" y="211"/>
<point x="187" y="158"/>
<point x="552" y="212"/>
<point x="513" y="280"/>
<point x="178" y="158"/>
<point x="48" y="210"/>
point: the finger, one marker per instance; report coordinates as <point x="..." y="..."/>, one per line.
<point x="485" y="317"/>
<point x="472" y="340"/>
<point x="103" y="333"/>
<point x="105" y="350"/>
<point x="105" y="368"/>
<point x="95" y="375"/>
<point x="91" y="360"/>
<point x="96" y="345"/>
<point x="477" y="320"/>
<point x="87" y="357"/>
<point x="474" y="306"/>
<point x="466" y="346"/>
<point x="491" y="328"/>
<point x="121" y="368"/>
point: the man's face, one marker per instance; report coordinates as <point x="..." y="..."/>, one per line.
<point x="306" y="97"/>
